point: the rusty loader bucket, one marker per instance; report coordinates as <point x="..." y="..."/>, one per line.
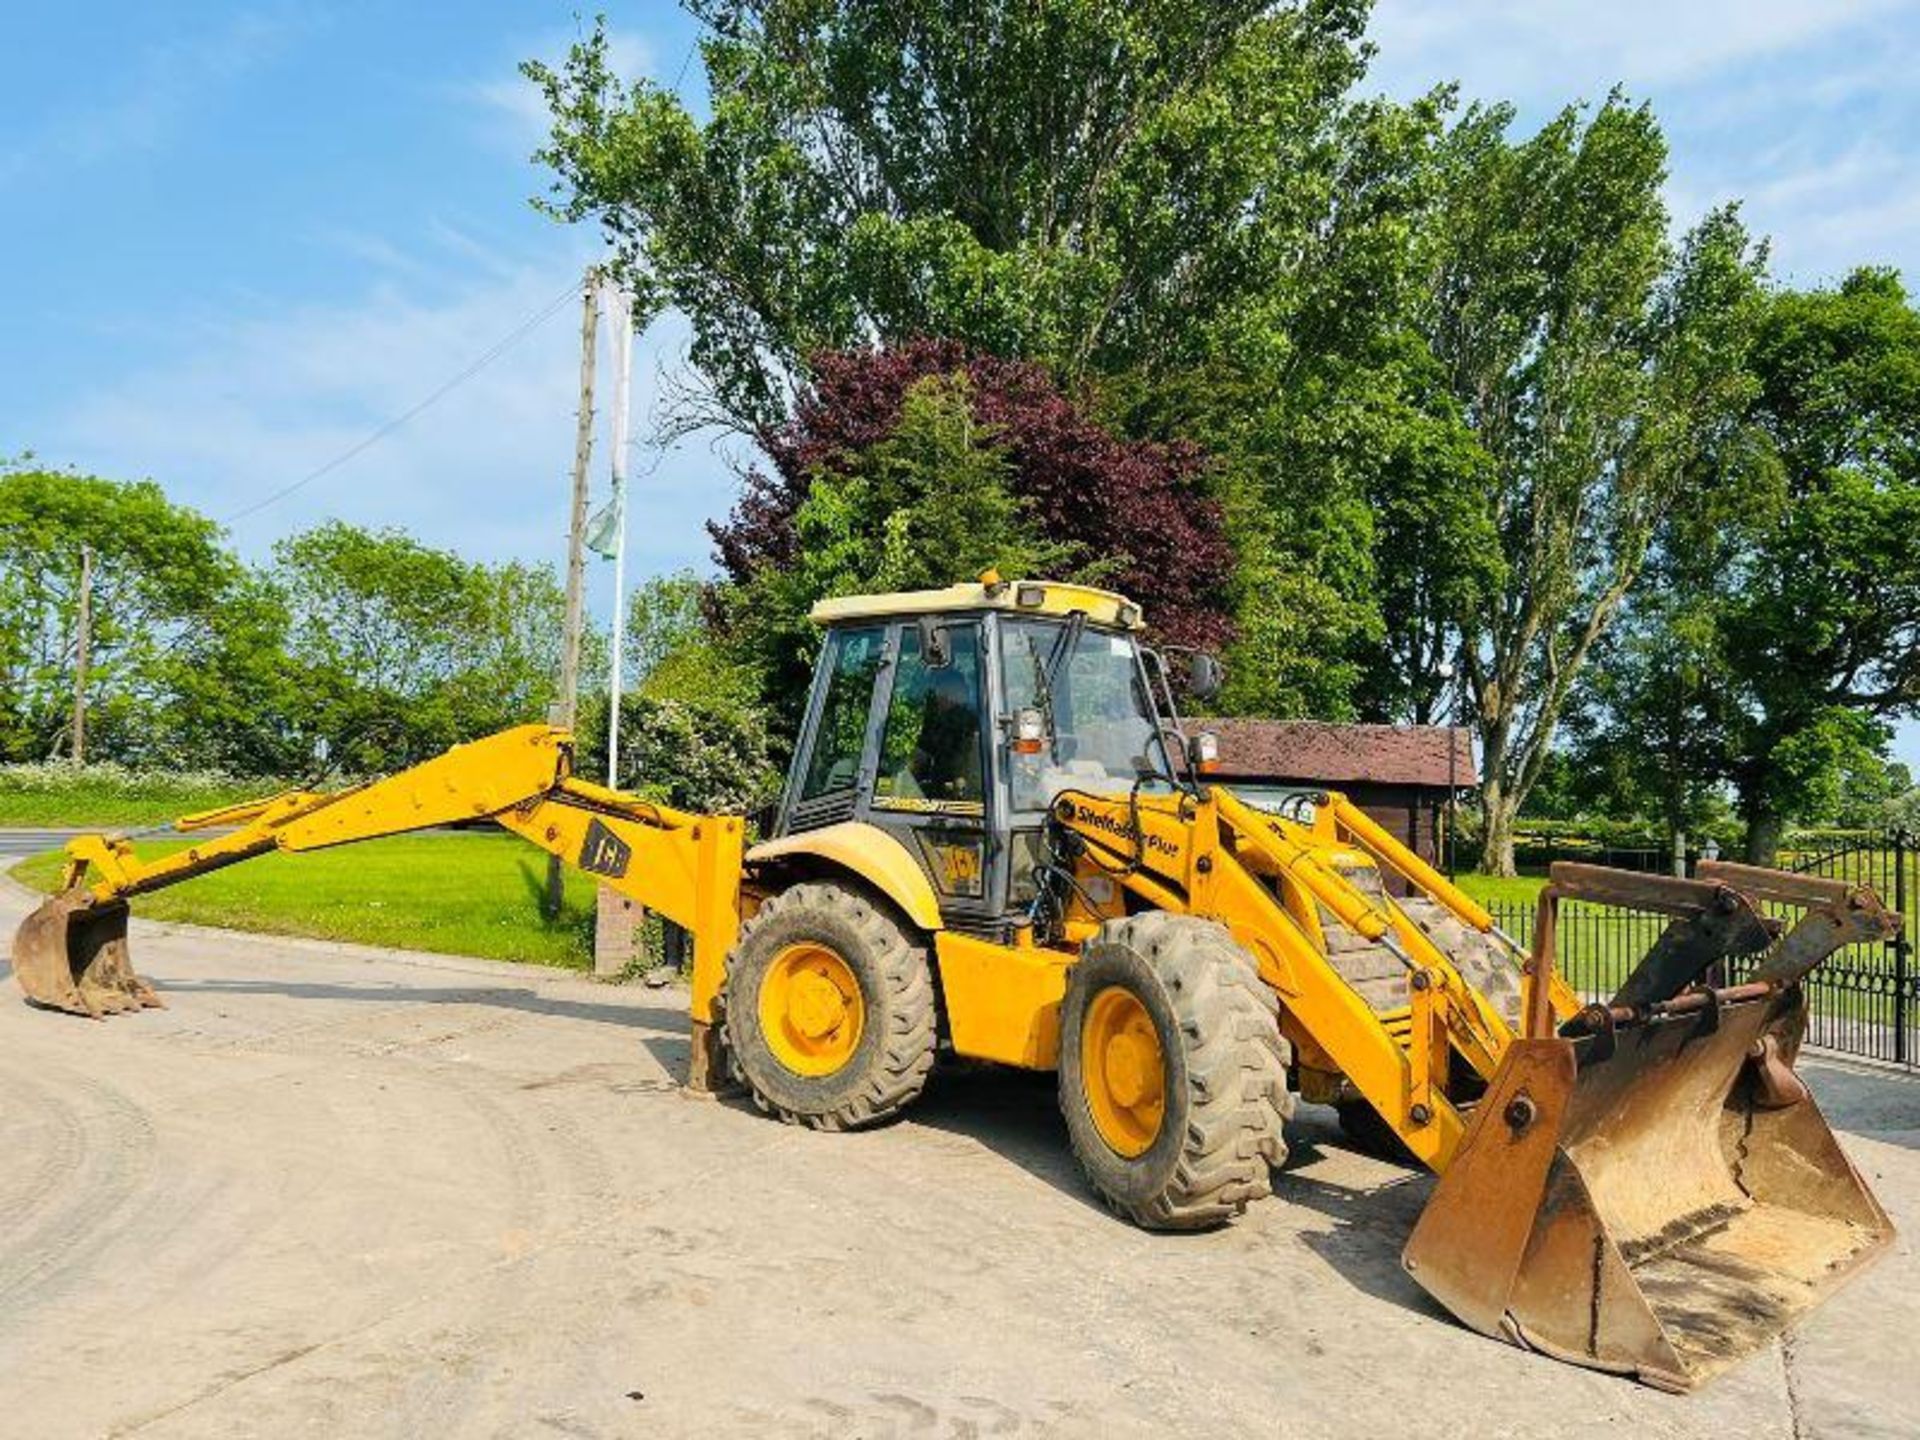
<point x="71" y="954"/>
<point x="1650" y="1189"/>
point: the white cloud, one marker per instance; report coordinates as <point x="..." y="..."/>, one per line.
<point x="265" y="398"/>
<point x="1566" y="46"/>
<point x="1804" y="111"/>
<point x="143" y="111"/>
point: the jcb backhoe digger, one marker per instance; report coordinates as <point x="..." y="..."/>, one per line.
<point x="997" y="841"/>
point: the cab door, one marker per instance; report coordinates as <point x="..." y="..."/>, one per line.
<point x="932" y="782"/>
<point x="832" y="771"/>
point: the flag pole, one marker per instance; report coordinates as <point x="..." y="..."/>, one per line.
<point x="620" y="336"/>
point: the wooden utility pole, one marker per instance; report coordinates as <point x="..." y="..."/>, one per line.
<point x="565" y="708"/>
<point x="83" y="645"/>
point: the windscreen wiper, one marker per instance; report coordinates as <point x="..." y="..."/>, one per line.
<point x="1064" y="645"/>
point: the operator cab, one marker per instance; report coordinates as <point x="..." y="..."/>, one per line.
<point x="952" y="718"/>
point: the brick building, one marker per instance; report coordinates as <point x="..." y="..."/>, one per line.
<point x="1401" y="775"/>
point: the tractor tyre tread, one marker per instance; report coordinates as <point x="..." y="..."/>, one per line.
<point x="888" y="1073"/>
<point x="1236" y="1105"/>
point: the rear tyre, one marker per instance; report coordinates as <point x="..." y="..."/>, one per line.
<point x="1173" y="1072"/>
<point x="829" y="1008"/>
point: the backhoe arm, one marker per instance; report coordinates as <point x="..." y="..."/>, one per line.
<point x="72" y="953"/>
<point x="469" y="782"/>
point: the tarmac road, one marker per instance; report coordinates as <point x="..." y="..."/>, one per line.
<point x="16" y="845"/>
<point x="334" y="1190"/>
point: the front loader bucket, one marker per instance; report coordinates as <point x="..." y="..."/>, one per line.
<point x="1658" y="1198"/>
<point x="71" y="954"/>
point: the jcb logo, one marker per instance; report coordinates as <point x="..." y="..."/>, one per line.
<point x="955" y="865"/>
<point x="961" y="864"/>
<point x="604" y="853"/>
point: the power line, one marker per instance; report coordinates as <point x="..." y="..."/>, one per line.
<point x="360" y="447"/>
<point x="686" y="59"/>
<point x="699" y="28"/>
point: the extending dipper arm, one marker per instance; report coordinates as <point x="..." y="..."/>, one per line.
<point x="685" y="866"/>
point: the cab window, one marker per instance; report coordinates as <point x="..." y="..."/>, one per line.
<point x="1101" y="730"/>
<point x="852" y="661"/>
<point x="932" y="754"/>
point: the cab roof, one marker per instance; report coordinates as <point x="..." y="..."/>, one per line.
<point x="990" y="592"/>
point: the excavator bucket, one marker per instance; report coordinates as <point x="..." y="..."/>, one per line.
<point x="71" y="954"/>
<point x="1652" y="1191"/>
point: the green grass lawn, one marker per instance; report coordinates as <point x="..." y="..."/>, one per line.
<point x="1502" y="890"/>
<point x="455" y="893"/>
<point x="1597" y="946"/>
<point x="55" y="797"/>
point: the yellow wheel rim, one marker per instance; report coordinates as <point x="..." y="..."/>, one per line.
<point x="1123" y="1071"/>
<point x="810" y="1009"/>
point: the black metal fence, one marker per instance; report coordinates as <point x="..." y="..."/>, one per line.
<point x="1864" y="1001"/>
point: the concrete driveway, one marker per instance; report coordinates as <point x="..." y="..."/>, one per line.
<point x="342" y="1191"/>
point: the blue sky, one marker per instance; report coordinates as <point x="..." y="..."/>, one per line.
<point x="235" y="238"/>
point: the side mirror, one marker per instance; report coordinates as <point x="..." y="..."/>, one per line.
<point x="936" y="649"/>
<point x="1206" y="675"/>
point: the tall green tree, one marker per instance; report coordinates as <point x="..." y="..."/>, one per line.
<point x="1183" y="203"/>
<point x="1316" y="400"/>
<point x="1436" y="562"/>
<point x="402" y="650"/>
<point x="1658" y="715"/>
<point x="1085" y="182"/>
<point x="160" y="578"/>
<point x="674" y="654"/>
<point x="1820" y="590"/>
<point x="1601" y="370"/>
<point x="664" y="616"/>
<point x="930" y="503"/>
<point x="228" y="696"/>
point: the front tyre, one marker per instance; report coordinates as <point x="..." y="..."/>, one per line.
<point x="829" y="1008"/>
<point x="1173" y="1072"/>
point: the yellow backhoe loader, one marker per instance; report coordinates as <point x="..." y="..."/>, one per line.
<point x="997" y="841"/>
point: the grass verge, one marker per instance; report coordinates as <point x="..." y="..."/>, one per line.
<point x="454" y="893"/>
<point x="1502" y="889"/>
<point x="112" y="797"/>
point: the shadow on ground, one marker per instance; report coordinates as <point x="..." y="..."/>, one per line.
<point x="670" y="1047"/>
<point x="526" y="1001"/>
<point x="1015" y="1115"/>
<point x="1881" y="1104"/>
<point x="1368" y="1227"/>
